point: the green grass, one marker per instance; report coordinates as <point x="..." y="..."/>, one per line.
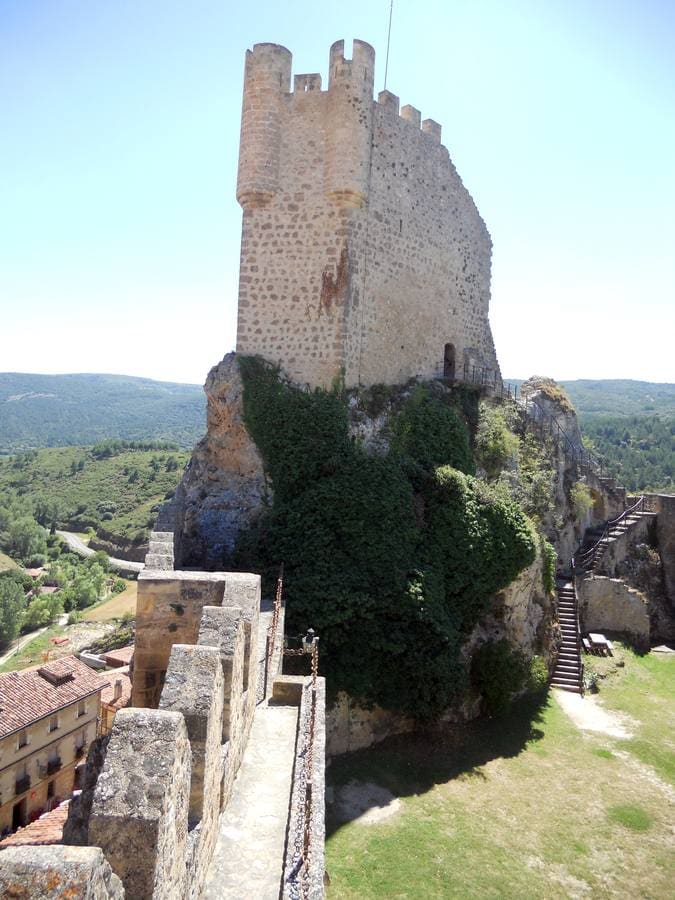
<point x="633" y="817"/>
<point x="114" y="607"/>
<point x="525" y="806"/>
<point x="31" y="653"/>
<point x="642" y="688"/>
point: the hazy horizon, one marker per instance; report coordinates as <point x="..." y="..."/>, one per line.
<point x="119" y="228"/>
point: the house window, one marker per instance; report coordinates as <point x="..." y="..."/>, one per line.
<point x="50" y="790"/>
<point x="81" y="708"/>
<point x="53" y="723"/>
<point x="22" y="740"/>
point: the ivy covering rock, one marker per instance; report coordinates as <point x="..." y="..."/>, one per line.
<point x="392" y="559"/>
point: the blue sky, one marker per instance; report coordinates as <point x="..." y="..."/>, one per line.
<point x="119" y="230"/>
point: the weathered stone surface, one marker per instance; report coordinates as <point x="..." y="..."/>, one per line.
<point x="168" y="611"/>
<point x="223" y="627"/>
<point x="331" y="265"/>
<point x="76" y="828"/>
<point x="609" y="604"/>
<point x="224" y="487"/>
<point x="299" y="825"/>
<point x="666" y="538"/>
<point x="57" y="872"/>
<point x="248" y="859"/>
<point x="194" y="687"/>
<point x="139" y="814"/>
<point x="350" y="727"/>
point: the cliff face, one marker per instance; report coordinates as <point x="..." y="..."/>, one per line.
<point x="224" y="487"/>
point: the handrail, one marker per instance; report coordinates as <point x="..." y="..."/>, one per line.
<point x="587" y="559"/>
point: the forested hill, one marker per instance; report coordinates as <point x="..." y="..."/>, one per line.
<point x="58" y="410"/>
<point x="621" y="397"/>
<point x="631" y="424"/>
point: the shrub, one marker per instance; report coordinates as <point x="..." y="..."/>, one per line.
<point x="495" y="443"/>
<point x="550" y="559"/>
<point x="499" y="672"/>
<point x="581" y="499"/>
<point x="430" y="431"/>
<point x="537" y="677"/>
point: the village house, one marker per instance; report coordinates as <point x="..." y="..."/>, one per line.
<point x="48" y="718"/>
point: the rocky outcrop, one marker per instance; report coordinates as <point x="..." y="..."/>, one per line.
<point x="523" y="613"/>
<point x="224" y="488"/>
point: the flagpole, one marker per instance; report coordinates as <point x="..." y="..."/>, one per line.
<point x="386" y="64"/>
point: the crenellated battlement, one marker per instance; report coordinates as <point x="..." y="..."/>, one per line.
<point x="353" y="215"/>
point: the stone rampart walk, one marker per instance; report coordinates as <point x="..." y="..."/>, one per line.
<point x="248" y="860"/>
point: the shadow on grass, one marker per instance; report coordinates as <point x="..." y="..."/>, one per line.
<point x="412" y="764"/>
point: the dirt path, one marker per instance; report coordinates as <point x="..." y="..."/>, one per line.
<point x="20" y="644"/>
<point x="588" y="715"/>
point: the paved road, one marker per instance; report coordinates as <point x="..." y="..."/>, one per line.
<point x="77" y="545"/>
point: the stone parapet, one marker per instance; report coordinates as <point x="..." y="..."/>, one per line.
<point x="304" y="865"/>
<point x="56" y="873"/>
<point x="139" y="815"/>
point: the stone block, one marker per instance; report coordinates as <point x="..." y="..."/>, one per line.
<point x="194" y="687"/>
<point x="139" y="815"/>
<point x="287" y="689"/>
<point x="57" y="872"/>
<point x="223" y="627"/>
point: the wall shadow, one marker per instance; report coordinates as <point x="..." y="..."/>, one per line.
<point x="412" y="764"/>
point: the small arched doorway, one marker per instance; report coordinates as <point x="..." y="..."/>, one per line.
<point x="449" y="361"/>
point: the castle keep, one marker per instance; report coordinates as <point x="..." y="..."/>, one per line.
<point x="362" y="252"/>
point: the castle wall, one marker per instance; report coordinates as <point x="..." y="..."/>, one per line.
<point x="362" y="252"/>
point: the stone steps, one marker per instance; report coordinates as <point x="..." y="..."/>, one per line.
<point x="568" y="670"/>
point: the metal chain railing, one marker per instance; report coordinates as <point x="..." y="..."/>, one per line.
<point x="300" y="877"/>
<point x="274" y="625"/>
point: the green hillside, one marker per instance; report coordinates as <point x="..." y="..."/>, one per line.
<point x="618" y="397"/>
<point x="621" y="397"/>
<point x="113" y="489"/>
<point x="631" y="425"/>
<point x="61" y="410"/>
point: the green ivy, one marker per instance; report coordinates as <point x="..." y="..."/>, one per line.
<point x="393" y="559"/>
<point x="499" y="672"/>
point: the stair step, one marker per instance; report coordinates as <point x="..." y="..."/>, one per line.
<point x="574" y="689"/>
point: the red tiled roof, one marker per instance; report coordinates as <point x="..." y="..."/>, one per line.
<point x="108" y="696"/>
<point x="48" y="829"/>
<point x="120" y="657"/>
<point x="27" y="696"/>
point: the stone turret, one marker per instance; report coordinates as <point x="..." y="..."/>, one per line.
<point x="350" y="118"/>
<point x="267" y="78"/>
<point x="363" y="256"/>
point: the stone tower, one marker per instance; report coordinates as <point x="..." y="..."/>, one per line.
<point x="362" y="253"/>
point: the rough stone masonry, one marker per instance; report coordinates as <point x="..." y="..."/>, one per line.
<point x="362" y="253"/>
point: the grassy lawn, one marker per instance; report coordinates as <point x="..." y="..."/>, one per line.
<point x="31" y="653"/>
<point x="525" y="806"/>
<point x="115" y="607"/>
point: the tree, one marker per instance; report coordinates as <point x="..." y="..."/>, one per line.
<point x="24" y="539"/>
<point x="12" y="605"/>
<point x="42" y="611"/>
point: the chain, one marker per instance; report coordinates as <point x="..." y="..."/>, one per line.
<point x="274" y="626"/>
